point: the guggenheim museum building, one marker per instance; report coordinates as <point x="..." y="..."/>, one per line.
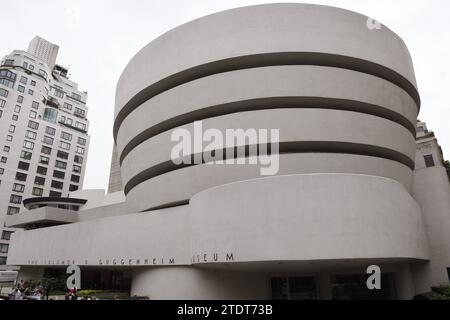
<point x="360" y="181"/>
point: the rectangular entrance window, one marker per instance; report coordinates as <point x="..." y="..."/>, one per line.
<point x="295" y="288"/>
<point x="429" y="160"/>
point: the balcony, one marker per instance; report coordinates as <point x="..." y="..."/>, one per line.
<point x="80" y="115"/>
<point x="46" y="212"/>
<point x="52" y="102"/>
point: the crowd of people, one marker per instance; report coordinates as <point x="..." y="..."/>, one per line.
<point x="31" y="290"/>
<point x="27" y="290"/>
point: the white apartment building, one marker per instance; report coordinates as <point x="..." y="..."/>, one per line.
<point x="44" y="49"/>
<point x="43" y="131"/>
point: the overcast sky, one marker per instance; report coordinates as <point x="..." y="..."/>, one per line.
<point x="97" y="38"/>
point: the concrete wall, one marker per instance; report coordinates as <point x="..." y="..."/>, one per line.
<point x="109" y="241"/>
<point x="174" y="283"/>
<point x="431" y="189"/>
<point x="308" y="217"/>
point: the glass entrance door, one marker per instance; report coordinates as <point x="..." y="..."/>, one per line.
<point x="293" y="288"/>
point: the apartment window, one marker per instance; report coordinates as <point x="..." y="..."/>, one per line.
<point x="31" y="135"/>
<point x="30" y="92"/>
<point x="12" y="210"/>
<point x="75" y="178"/>
<point x="78" y="159"/>
<point x="26" y="155"/>
<point x="33" y="114"/>
<point x="429" y="160"/>
<point x="3" y="159"/>
<point x="73" y="188"/>
<point x="33" y="83"/>
<point x="21" y="89"/>
<point x="9" y="138"/>
<point x="43" y="73"/>
<point x="47" y="140"/>
<point x="69" y="121"/>
<point x="51" y="131"/>
<point x="80" y="150"/>
<point x="38" y="191"/>
<point x="2" y="261"/>
<point x="17" y="109"/>
<point x="39" y="181"/>
<point x="60" y="164"/>
<point x="57" y="184"/>
<point x="25" y="65"/>
<point x="7" y="82"/>
<point x="50" y="114"/>
<point x="80" y="126"/>
<point x="3" y="92"/>
<point x="15" y="199"/>
<point x="8" y="62"/>
<point x="58" y="174"/>
<point x="44" y="160"/>
<point x="6" y="235"/>
<point x="28" y="145"/>
<point x="1" y="113"/>
<point x="31" y="67"/>
<point x="62" y="155"/>
<point x="15" y="117"/>
<point x="67" y="106"/>
<point x="6" y="148"/>
<point x="58" y="93"/>
<point x="21" y="176"/>
<point x="76" y="169"/>
<point x="55" y="194"/>
<point x="33" y="125"/>
<point x="35" y="105"/>
<point x="41" y="170"/>
<point x="81" y="141"/>
<point x="6" y="74"/>
<point x="23" y="166"/>
<point x="19" y="99"/>
<point x="2" y="103"/>
<point x="76" y="96"/>
<point x="80" y="112"/>
<point x="66" y="136"/>
<point x="46" y="150"/>
<point x="64" y="145"/>
<point x="23" y="80"/>
<point x="17" y="187"/>
<point x="2" y="171"/>
<point x="4" y="248"/>
<point x="12" y="128"/>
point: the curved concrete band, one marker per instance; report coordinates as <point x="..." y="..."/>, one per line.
<point x="181" y="185"/>
<point x="257" y="218"/>
<point x="269" y="87"/>
<point x="361" y="133"/>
